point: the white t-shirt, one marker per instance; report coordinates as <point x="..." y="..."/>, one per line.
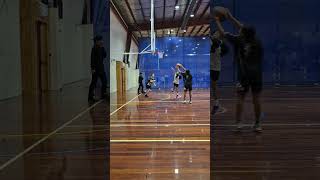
<point x="215" y="60"/>
<point x="176" y="78"/>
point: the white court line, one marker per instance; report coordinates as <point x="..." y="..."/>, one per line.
<point x="270" y="124"/>
<point x="156" y="125"/>
<point x="171" y="101"/>
<point x="218" y="125"/>
<point x="158" y="140"/>
<point x="234" y="99"/>
<point x="246" y="171"/>
<point x="46" y="137"/>
<point x="123" y="105"/>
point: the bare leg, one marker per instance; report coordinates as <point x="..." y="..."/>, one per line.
<point x="214" y="98"/>
<point x="190" y="95"/>
<point x="177" y="92"/>
<point x="147" y="92"/>
<point x="184" y="95"/>
<point x="257" y="108"/>
<point x="239" y="108"/>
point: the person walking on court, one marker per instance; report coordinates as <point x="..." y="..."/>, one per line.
<point x="249" y="55"/>
<point x="140" y="84"/>
<point x="217" y="51"/>
<point x="98" y="54"/>
<point x="148" y="87"/>
<point x="187" y="78"/>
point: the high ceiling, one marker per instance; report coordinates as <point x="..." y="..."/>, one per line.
<point x="168" y="18"/>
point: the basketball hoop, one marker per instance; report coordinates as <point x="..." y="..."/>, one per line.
<point x="151" y="48"/>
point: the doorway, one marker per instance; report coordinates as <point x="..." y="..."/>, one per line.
<point x="121" y="78"/>
<point x="42" y="56"/>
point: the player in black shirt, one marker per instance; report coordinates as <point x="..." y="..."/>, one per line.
<point x="140" y="84"/>
<point x="98" y="54"/>
<point x="248" y="55"/>
<point x="148" y="86"/>
<point x="187" y="78"/>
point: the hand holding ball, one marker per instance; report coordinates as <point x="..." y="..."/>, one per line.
<point x="220" y="13"/>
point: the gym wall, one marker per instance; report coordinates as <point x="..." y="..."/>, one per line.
<point x="118" y="37"/>
<point x="10" y="64"/>
<point x="192" y="52"/>
<point x="290" y="32"/>
<point x="76" y="44"/>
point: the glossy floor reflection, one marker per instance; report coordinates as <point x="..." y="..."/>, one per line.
<point x="160" y="138"/>
<point x="288" y="148"/>
<point x="76" y="151"/>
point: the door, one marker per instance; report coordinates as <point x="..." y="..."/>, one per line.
<point x="121" y="77"/>
<point x="42" y="53"/>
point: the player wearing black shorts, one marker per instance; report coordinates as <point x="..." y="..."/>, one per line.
<point x="249" y="55"/>
<point x="148" y="87"/>
<point x="187" y="78"/>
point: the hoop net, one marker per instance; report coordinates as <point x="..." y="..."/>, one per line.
<point x="160" y="55"/>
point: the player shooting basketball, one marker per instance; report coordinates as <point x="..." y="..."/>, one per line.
<point x="249" y="55"/>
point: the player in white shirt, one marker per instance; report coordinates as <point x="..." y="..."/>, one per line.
<point x="218" y="49"/>
<point x="176" y="80"/>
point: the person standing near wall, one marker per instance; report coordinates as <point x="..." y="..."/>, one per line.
<point x="140" y="84"/>
<point x="98" y="54"/>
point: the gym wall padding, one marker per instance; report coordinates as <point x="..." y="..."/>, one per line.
<point x="192" y="52"/>
<point x="290" y="32"/>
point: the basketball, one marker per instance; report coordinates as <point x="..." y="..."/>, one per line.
<point x="220" y="12"/>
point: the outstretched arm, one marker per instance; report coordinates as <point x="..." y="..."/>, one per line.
<point x="234" y="21"/>
<point x="182" y="67"/>
<point x="231" y="38"/>
<point x="219" y="26"/>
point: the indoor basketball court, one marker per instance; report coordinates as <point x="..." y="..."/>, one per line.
<point x="156" y="135"/>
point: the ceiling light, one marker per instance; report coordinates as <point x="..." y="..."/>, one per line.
<point x="204" y="38"/>
<point x="184" y="30"/>
<point x="192" y="15"/>
<point x="177" y="7"/>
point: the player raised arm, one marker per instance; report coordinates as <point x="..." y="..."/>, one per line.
<point x="182" y="67"/>
<point x="234" y="21"/>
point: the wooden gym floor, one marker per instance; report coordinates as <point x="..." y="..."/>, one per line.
<point x="288" y="148"/>
<point x="54" y="137"/>
<point x="59" y="136"/>
<point x="159" y="137"/>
